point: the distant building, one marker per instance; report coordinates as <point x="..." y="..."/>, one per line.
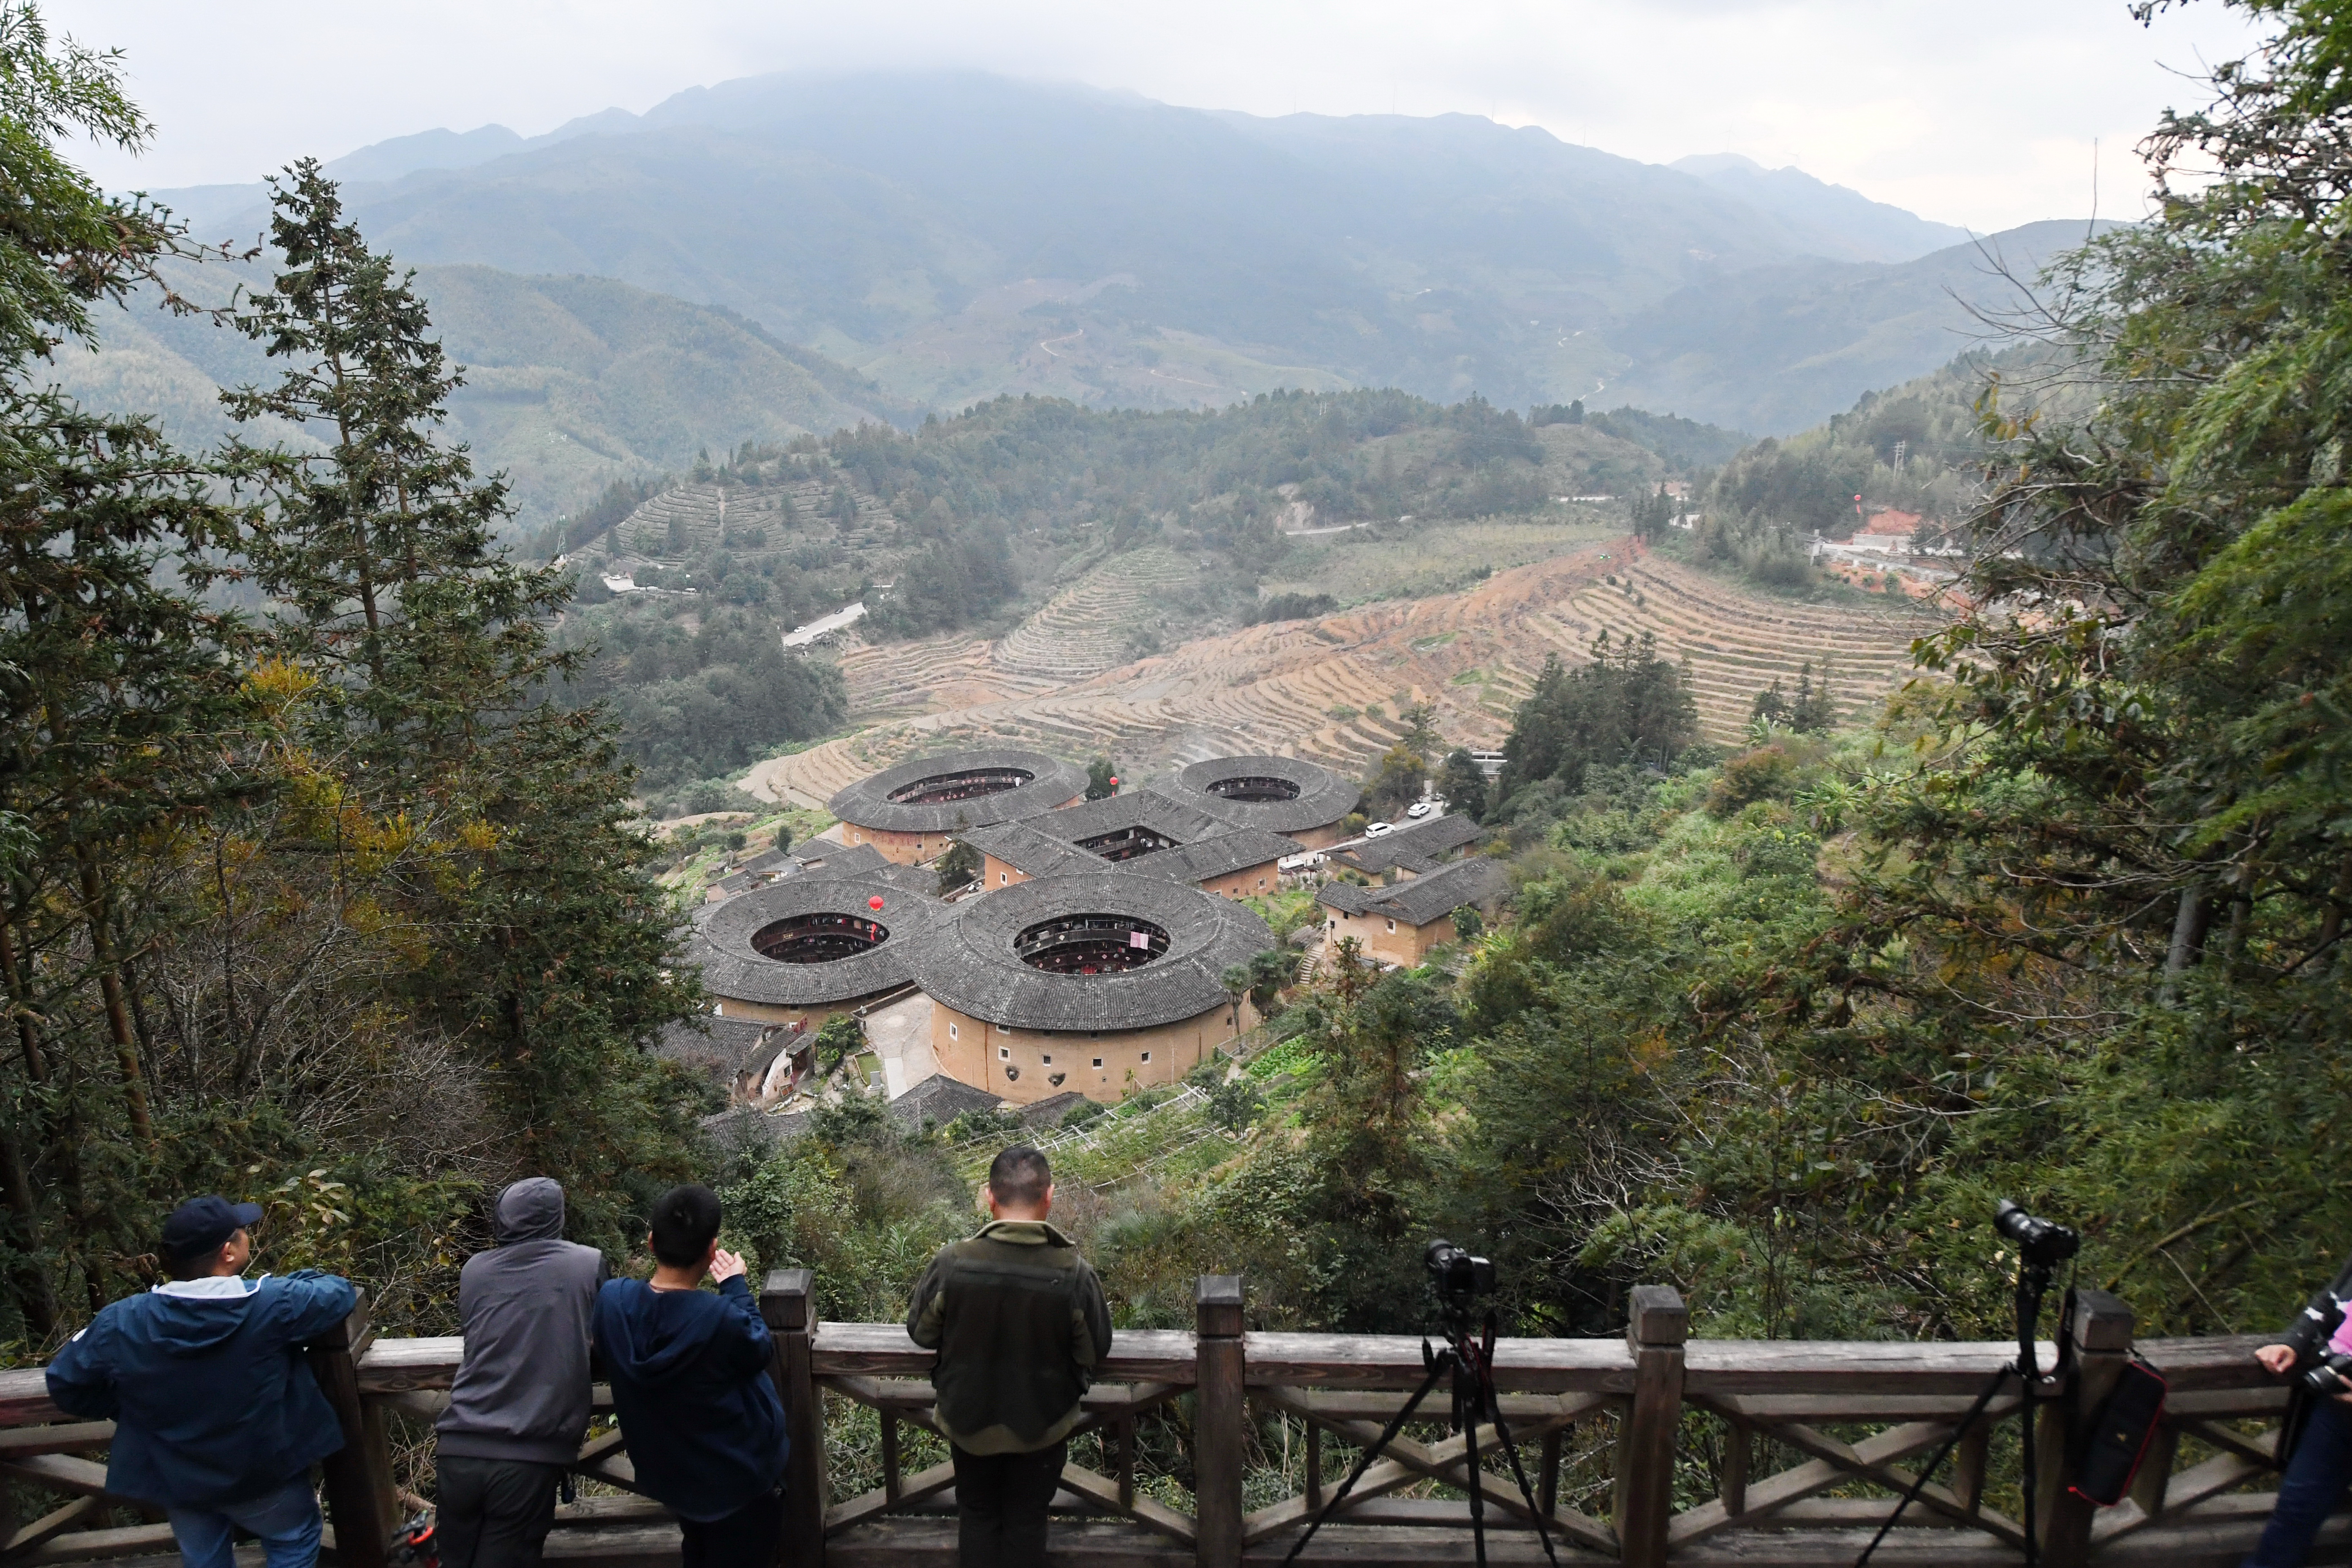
<point x="910" y="812"/>
<point x="1399" y="924"/>
<point x="1139" y="830"/>
<point x="1300" y="800"/>
<point x="1411" y="851"/>
<point x="806" y="947"/>
<point x="1099" y="982"/>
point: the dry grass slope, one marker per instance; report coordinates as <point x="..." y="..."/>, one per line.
<point x="1330" y="690"/>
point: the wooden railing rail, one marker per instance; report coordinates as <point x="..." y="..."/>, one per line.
<point x="1654" y="1449"/>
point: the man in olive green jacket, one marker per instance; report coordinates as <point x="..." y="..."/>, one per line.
<point x="1020" y="1323"/>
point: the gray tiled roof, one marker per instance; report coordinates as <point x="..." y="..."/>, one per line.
<point x="1047" y="845"/>
<point x="867" y="802"/>
<point x="968" y="962"/>
<point x="1324" y="797"/>
<point x="1477" y="880"/>
<point x="1417" y="848"/>
<point x="940" y="1099"/>
<point x="722" y="941"/>
<point x="716" y="1048"/>
<point x="1049" y="1111"/>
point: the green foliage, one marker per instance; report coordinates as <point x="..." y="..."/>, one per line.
<point x="958" y="867"/>
<point x="1463" y="784"/>
<point x="1398" y="782"/>
<point x="1102" y="779"/>
<point x="1293" y="607"/>
<point x="838" y="1038"/>
<point x="1626" y="705"/>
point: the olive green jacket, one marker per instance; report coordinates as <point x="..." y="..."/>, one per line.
<point x="1020" y="1323"/>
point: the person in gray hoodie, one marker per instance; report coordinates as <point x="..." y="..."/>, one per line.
<point x="520" y="1405"/>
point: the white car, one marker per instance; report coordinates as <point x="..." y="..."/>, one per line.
<point x="1375" y="829"/>
<point x="1418" y="808"/>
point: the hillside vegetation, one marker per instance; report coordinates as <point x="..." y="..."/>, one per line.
<point x="570" y="383"/>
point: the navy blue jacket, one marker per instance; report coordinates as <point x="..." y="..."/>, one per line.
<point x="210" y="1397"/>
<point x="690" y="1385"/>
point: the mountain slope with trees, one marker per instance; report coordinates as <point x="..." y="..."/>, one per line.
<point x="961" y="236"/>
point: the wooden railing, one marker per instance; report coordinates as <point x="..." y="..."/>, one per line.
<point x="1648" y="1450"/>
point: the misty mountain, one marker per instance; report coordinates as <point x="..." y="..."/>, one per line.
<point x="1839" y="223"/>
<point x="570" y="383"/>
<point x="1783" y="346"/>
<point x="958" y="236"/>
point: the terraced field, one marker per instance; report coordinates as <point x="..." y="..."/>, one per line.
<point x="688" y="519"/>
<point x="1084" y="628"/>
<point x="1330" y="690"/>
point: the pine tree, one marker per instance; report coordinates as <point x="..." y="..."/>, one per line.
<point x="535" y="937"/>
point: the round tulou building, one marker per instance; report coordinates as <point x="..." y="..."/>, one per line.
<point x="912" y="812"/>
<point x="1298" y="799"/>
<point x="805" y="947"/>
<point x="1098" y="982"/>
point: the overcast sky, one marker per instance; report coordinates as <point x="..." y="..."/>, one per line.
<point x="1982" y="114"/>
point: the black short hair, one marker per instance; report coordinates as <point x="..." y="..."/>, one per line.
<point x="1019" y="1176"/>
<point x="684" y="1224"/>
<point x="190" y="1264"/>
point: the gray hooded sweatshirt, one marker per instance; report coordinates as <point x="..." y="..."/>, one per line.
<point x="521" y="1391"/>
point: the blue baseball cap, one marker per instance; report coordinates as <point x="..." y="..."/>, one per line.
<point x="203" y="1225"/>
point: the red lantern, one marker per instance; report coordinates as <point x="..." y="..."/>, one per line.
<point x="875" y="902"/>
<point x="1113" y="783"/>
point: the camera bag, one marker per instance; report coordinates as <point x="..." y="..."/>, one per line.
<point x="2108" y="1452"/>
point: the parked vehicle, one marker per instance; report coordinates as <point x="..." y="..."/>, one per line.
<point x="1375" y="829"/>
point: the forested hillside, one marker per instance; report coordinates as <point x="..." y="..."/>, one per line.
<point x="972" y="521"/>
<point x="570" y="383"/>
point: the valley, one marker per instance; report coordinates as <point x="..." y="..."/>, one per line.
<point x="1329" y="689"/>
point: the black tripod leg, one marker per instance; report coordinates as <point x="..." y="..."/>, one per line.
<point x="1477" y="1492"/>
<point x="1927" y="1471"/>
<point x="1438" y="1369"/>
<point x="1527" y="1493"/>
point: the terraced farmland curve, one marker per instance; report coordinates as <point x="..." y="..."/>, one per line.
<point x="1084" y="628"/>
<point x="1330" y="690"/>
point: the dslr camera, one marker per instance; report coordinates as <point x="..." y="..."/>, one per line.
<point x="2042" y="1243"/>
<point x="1457" y="1277"/>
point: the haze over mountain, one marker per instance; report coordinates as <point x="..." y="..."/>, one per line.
<point x="956" y="236"/>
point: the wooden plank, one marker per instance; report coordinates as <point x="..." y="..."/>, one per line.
<point x="2226" y="1404"/>
<point x="1865" y="1407"/>
<point x="1103" y="1492"/>
<point x="25" y="1398"/>
<point x="393" y="1364"/>
<point x="612" y="1470"/>
<point x="1376" y="1404"/>
<point x="1872" y="1458"/>
<point x="1840" y="1367"/>
<point x="910" y="1394"/>
<point x="1840" y="1463"/>
<point x="870" y="1505"/>
<point x="67" y="1437"/>
<point x="50" y="1523"/>
<point x="94" y="1545"/>
<point x="2182" y="1492"/>
<point x="1137" y="1355"/>
<point x="2223" y="1361"/>
<point x="68" y="1473"/>
<point x="1394" y="1360"/>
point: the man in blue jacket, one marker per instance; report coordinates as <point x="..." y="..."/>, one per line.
<point x="689" y="1371"/>
<point x="216" y="1418"/>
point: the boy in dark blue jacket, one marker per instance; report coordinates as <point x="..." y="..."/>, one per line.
<point x="216" y="1417"/>
<point x="690" y="1371"/>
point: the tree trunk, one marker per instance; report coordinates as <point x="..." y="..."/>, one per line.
<point x="2188" y="938"/>
<point x="20" y="1002"/>
<point x="95" y="910"/>
<point x="39" y="1301"/>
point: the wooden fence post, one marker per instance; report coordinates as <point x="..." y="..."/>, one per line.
<point x="1654" y="1331"/>
<point x="2102" y="1334"/>
<point x="1219" y="1420"/>
<point x="787" y="1305"/>
<point x="361" y="1502"/>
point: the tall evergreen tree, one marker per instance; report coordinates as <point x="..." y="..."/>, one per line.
<point x="537" y="942"/>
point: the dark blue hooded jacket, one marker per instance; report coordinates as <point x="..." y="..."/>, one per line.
<point x="211" y="1400"/>
<point x="690" y="1385"/>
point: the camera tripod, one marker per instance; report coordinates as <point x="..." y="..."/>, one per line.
<point x="1469" y="1361"/>
<point x="2033" y="1279"/>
